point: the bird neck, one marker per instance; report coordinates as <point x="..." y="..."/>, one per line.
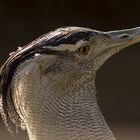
<point x="54" y="110"/>
<point x="74" y="114"/>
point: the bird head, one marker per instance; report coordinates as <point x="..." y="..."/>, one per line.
<point x="76" y="53"/>
<point x="66" y="58"/>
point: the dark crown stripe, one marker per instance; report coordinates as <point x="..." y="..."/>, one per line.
<point x="71" y="38"/>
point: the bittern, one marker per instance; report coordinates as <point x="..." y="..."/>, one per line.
<point x="48" y="86"/>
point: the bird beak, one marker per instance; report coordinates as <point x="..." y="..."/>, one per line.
<point x="112" y="42"/>
<point x="122" y="38"/>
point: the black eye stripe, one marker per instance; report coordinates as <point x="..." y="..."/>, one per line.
<point x="72" y="38"/>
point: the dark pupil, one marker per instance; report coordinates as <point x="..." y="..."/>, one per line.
<point x="84" y="49"/>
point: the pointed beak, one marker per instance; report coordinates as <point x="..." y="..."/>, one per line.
<point x="122" y="38"/>
<point x="112" y="42"/>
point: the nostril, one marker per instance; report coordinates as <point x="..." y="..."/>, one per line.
<point x="124" y="36"/>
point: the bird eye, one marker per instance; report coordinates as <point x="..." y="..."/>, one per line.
<point x="84" y="50"/>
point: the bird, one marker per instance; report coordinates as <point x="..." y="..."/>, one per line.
<point x="47" y="87"/>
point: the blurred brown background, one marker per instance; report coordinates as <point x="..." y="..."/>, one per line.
<point x="118" y="81"/>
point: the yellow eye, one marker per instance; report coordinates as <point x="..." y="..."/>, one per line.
<point x="84" y="50"/>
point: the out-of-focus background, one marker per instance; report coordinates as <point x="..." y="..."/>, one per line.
<point x="118" y="81"/>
